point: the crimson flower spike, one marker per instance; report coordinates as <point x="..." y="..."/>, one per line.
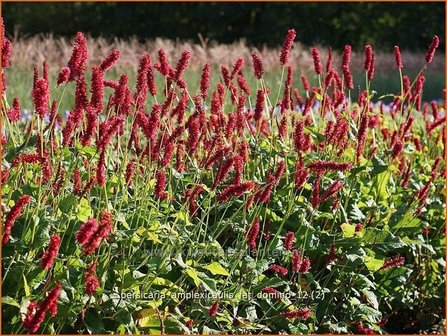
<point x="213" y="309"/>
<point x="317" y="62"/>
<point x="253" y="234"/>
<point x="237" y="67"/>
<point x="41" y="96"/>
<point x="346" y="58"/>
<point x="289" y="240"/>
<point x="205" y="81"/>
<point x="257" y="65"/>
<point x="48" y="257"/>
<point x="111" y="59"/>
<point x="398" y="57"/>
<point x="329" y="61"/>
<point x="91" y="281"/>
<point x="78" y="60"/>
<point x="287" y="46"/>
<point x="182" y="64"/>
<point x="13" y="214"/>
<point x="431" y="50"/>
<point x="301" y="314"/>
<point x="369" y="61"/>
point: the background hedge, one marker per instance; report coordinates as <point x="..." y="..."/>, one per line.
<point x="383" y="24"/>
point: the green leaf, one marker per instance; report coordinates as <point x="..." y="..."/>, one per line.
<point x="348" y="230"/>
<point x="87" y="151"/>
<point x="149" y="318"/>
<point x="147" y="234"/>
<point x="192" y="273"/>
<point x="15" y="151"/>
<point x="216" y="269"/>
<point x="338" y="328"/>
<point x="379" y="166"/>
<point x="371" y="298"/>
<point x="84" y="211"/>
<point x="10" y="301"/>
<point x="272" y="215"/>
<point x="208" y="283"/>
<point x="406" y="221"/>
<point x="381" y="240"/>
<point x="93" y="322"/>
<point x="372" y="263"/>
<point x="368" y="313"/>
<point x="67" y="203"/>
<point x="380" y="183"/>
<point x="182" y="216"/>
<point x="25" y="286"/>
<point x="158" y="281"/>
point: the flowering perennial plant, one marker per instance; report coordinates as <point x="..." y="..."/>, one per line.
<point x="239" y="187"/>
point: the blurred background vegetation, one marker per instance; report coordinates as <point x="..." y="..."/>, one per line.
<point x="261" y="25"/>
<point x="410" y="25"/>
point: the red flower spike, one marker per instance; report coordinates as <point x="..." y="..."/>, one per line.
<point x="296" y="261"/>
<point x="259" y="108"/>
<point x="257" y="65"/>
<point x="41" y="96"/>
<point x="305" y="266"/>
<point x="189" y="324"/>
<point x="369" y="61"/>
<point x="361" y="329"/>
<point x="317" y="62"/>
<point x="163" y="66"/>
<point x="86" y="231"/>
<point x="289" y="240"/>
<point x="243" y="84"/>
<point x="213" y="309"/>
<point x="397" y="149"/>
<point x="287" y="46"/>
<point x="205" y="80"/>
<point x="46" y="262"/>
<point x="110" y="60"/>
<point x="181" y="65"/>
<point x="235" y="190"/>
<point x="252" y="236"/>
<point x="97" y="89"/>
<point x="237" y="67"/>
<point x="393" y="262"/>
<point x="6" y="52"/>
<point x="272" y="293"/>
<point x="91" y="281"/>
<point x="14" y="112"/>
<point x="301" y="314"/>
<point x="361" y="135"/>
<point x="398" y="57"/>
<point x="36" y="312"/>
<point x="63" y="76"/>
<point x="12" y="216"/>
<point x="78" y="60"/>
<point x="431" y="50"/>
<point x="320" y="166"/>
<point x="225" y="75"/>
<point x="160" y="185"/>
<point x="333" y="189"/>
<point x="282" y="271"/>
<point x="346" y="58"/>
<point x="305" y="82"/>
